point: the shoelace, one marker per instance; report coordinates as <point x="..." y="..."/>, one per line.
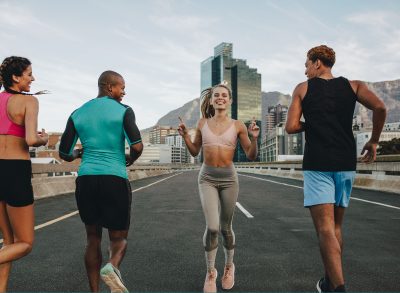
<point x="210" y="277"/>
<point x="227" y="272"/>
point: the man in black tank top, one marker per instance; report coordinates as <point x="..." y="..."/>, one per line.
<point x="329" y="162"/>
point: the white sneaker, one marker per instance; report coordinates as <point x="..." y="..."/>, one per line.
<point x="210" y="283"/>
<point x="112" y="277"/>
<point x="228" y="279"/>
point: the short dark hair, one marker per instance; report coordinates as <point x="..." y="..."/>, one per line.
<point x="108" y="77"/>
<point x="12" y="66"/>
<point x="323" y="53"/>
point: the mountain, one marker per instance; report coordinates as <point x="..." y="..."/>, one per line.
<point x="190" y="113"/>
<point x="270" y="99"/>
<point x="388" y="91"/>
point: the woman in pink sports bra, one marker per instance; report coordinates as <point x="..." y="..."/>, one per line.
<point x="18" y="131"/>
<point x="217" y="134"/>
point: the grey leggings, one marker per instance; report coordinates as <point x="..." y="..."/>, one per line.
<point x="219" y="189"/>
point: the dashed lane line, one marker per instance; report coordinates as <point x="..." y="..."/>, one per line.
<point x="244" y="211"/>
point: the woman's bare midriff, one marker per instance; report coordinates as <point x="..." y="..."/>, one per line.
<point x="216" y="156"/>
<point x="13" y="148"/>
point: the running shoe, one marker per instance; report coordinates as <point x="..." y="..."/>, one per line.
<point x="340" y="288"/>
<point x="210" y="283"/>
<point x="323" y="286"/>
<point x="228" y="279"/>
<point x="112" y="277"/>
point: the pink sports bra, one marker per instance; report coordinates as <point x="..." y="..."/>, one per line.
<point x="6" y="125"/>
<point x="227" y="139"/>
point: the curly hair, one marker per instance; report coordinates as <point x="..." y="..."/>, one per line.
<point x="323" y="53"/>
<point x="207" y="110"/>
<point x="12" y="66"/>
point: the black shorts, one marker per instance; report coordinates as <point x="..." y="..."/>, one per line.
<point x="104" y="200"/>
<point x="15" y="182"/>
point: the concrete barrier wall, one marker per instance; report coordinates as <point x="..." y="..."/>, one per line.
<point x="378" y="180"/>
<point x="383" y="176"/>
<point x="51" y="186"/>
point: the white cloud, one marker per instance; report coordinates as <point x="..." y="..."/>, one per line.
<point x="20" y="18"/>
<point x="374" y="19"/>
<point x="158" y="47"/>
<point x="371" y="46"/>
<point x="17" y="16"/>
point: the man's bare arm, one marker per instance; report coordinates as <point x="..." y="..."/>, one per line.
<point x="293" y="123"/>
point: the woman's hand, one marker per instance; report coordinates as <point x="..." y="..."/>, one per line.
<point x="43" y="136"/>
<point x="253" y="129"/>
<point x="182" y="128"/>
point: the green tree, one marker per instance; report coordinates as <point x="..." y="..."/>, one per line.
<point x="390" y="147"/>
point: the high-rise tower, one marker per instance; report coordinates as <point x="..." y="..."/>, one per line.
<point x="244" y="81"/>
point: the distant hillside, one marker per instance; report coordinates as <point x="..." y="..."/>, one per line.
<point x="190" y="113"/>
<point x="389" y="92"/>
<point x="274" y="98"/>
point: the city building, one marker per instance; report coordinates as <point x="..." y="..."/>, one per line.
<point x="363" y="137"/>
<point x="179" y="152"/>
<point x="158" y="153"/>
<point x="358" y="125"/>
<point x="275" y="115"/>
<point x="279" y="145"/>
<point x="361" y="121"/>
<point x="240" y="155"/>
<point x="394" y="126"/>
<point x="275" y="142"/>
<point x="175" y="140"/>
<point x="158" y="134"/>
<point x="197" y="159"/>
<point x="245" y="83"/>
<point x="51" y="149"/>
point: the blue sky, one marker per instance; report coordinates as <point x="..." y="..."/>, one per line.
<point x="158" y="45"/>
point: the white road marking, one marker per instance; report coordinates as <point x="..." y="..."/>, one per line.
<point x="244" y="211"/>
<point x="56" y="220"/>
<point x="76" y="212"/>
<point x="352" y="198"/>
<point x="377" y="203"/>
<point x="143" y="187"/>
<point x="52" y="221"/>
<point x="263" y="179"/>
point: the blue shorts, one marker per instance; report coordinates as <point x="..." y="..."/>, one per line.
<point x="328" y="187"/>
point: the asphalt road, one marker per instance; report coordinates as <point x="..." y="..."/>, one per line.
<point x="276" y="247"/>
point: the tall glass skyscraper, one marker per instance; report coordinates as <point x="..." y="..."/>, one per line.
<point x="244" y="81"/>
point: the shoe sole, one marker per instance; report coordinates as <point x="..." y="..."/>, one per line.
<point x="318" y="287"/>
<point x="229" y="288"/>
<point x="114" y="283"/>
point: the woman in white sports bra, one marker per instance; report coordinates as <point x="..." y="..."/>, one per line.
<point x="217" y="134"/>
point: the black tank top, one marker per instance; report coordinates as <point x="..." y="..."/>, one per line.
<point x="328" y="109"/>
